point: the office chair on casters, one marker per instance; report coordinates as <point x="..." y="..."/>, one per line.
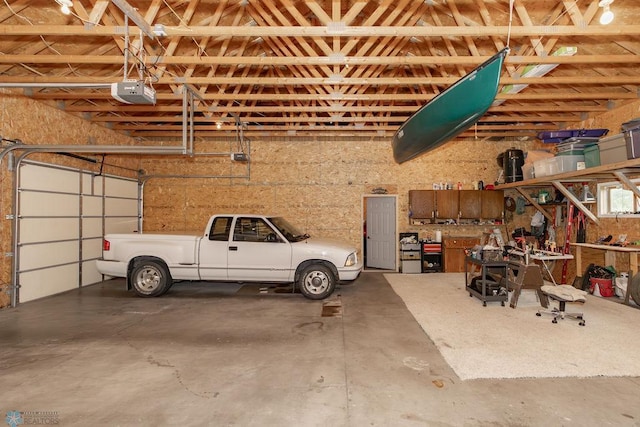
<point x="563" y="294"/>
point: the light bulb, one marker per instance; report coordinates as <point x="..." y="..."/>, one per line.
<point x="607" y="16"/>
<point x="65" y="6"/>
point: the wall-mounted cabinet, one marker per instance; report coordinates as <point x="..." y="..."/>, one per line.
<point x="492" y="204"/>
<point x="422" y="204"/>
<point x="432" y="205"/>
<point x="447" y="204"/>
<point x="471" y="202"/>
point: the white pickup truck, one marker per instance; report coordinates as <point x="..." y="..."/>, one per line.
<point x="238" y="248"/>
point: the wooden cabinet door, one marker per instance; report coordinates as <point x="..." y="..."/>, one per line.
<point x="447" y="204"/>
<point x="470" y="203"/>
<point x="492" y="204"/>
<point x="453" y="260"/>
<point x="453" y="255"/>
<point x="454" y="252"/>
<point x="422" y="203"/>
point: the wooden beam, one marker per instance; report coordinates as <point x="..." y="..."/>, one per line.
<point x="600" y="31"/>
<point x="336" y="83"/>
<point x="46" y="58"/>
<point x="377" y="97"/>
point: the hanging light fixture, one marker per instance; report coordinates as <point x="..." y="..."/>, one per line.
<point x="607" y="15"/>
<point x="65" y="6"/>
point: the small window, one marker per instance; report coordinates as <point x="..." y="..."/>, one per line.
<point x="220" y="229"/>
<point x="252" y="230"/>
<point x="616" y="200"/>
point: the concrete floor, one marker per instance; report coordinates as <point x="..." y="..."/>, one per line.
<point x="222" y="356"/>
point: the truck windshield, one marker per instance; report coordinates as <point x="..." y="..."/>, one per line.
<point x="289" y="231"/>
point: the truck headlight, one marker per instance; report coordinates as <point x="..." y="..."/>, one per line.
<point x="352" y="259"/>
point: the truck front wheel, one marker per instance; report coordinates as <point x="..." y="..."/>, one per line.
<point x="150" y="278"/>
<point x="316" y="281"/>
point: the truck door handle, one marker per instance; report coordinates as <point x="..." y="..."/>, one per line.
<point x="233" y="248"/>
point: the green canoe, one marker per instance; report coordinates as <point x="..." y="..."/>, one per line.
<point x="451" y="112"/>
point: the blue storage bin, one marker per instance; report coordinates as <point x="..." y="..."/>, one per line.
<point x="562" y="135"/>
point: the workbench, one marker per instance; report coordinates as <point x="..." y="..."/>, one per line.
<point x="609" y="255"/>
<point x="546" y="259"/>
<point x="610" y="259"/>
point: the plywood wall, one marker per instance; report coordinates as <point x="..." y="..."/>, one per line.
<point x="317" y="183"/>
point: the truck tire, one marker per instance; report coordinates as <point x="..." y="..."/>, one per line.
<point x="316" y="281"/>
<point x="150" y="278"/>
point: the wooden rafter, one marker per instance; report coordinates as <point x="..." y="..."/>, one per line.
<point x="339" y="66"/>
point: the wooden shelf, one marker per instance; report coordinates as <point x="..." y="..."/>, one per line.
<point x="596" y="173"/>
<point x="587" y="202"/>
<point x="620" y="171"/>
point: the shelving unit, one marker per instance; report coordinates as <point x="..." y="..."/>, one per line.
<point x="621" y="171"/>
<point x="411" y="258"/>
<point x="431" y="257"/>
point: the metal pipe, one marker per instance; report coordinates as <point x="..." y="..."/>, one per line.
<point x="191" y="125"/>
<point x="184" y="114"/>
<point x="57" y="85"/>
<point x="188" y="111"/>
<point x="29" y="270"/>
<point x="15" y="286"/>
<point x="100" y="149"/>
<point x="140" y="205"/>
<point x="126" y="46"/>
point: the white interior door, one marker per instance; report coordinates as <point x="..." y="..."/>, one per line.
<point x="381" y="232"/>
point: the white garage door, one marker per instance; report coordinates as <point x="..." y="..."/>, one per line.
<point x="62" y="216"/>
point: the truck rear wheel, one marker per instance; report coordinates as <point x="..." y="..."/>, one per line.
<point x="150" y="278"/>
<point x="316" y="281"/>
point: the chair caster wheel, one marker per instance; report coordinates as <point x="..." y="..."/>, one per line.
<point x="502" y="303"/>
<point x="484" y="303"/>
<point x="581" y="323"/>
<point x="539" y="314"/>
<point x="470" y="294"/>
<point x="579" y="317"/>
<point x="554" y="321"/>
